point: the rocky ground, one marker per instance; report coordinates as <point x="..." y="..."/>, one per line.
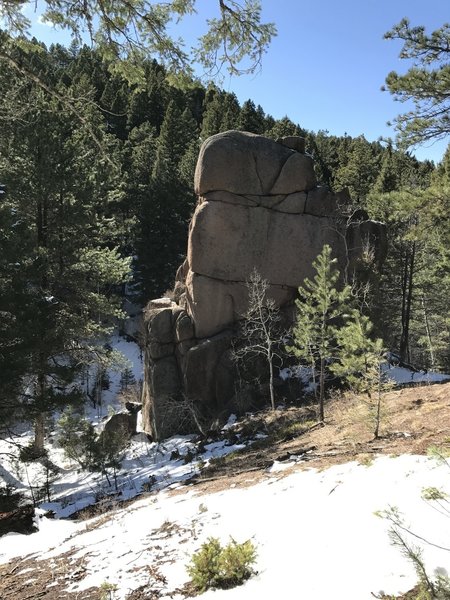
<point x="413" y="419"/>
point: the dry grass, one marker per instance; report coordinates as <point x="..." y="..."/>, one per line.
<point x="413" y="419"/>
<point x="30" y="578"/>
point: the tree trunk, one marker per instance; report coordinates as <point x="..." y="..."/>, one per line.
<point x="376" y="433"/>
<point x="39" y="421"/>
<point x="407" y="287"/>
<point x="272" y="395"/>
<point x="39" y="434"/>
<point x="322" y="390"/>
<point x="427" y="328"/>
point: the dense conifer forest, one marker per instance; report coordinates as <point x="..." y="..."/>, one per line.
<point x="97" y="193"/>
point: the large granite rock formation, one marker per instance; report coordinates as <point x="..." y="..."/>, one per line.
<point x="259" y="207"/>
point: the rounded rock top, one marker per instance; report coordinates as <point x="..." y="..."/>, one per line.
<point x="244" y="163"/>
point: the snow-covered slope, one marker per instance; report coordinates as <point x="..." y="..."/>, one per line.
<point x="316" y="533"/>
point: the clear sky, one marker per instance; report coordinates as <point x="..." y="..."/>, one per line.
<point x="326" y="66"/>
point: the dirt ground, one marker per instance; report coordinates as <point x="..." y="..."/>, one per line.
<point x="413" y="420"/>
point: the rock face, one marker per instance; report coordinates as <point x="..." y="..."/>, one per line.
<point x="259" y="207"/>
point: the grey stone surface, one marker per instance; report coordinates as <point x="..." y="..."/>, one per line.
<point x="293" y="204"/>
<point x="200" y="368"/>
<point x="184" y="327"/>
<point x="293" y="141"/>
<point x="164" y="377"/>
<point x="216" y="305"/>
<point x="244" y="163"/>
<point x="159" y="325"/>
<point x="120" y="424"/>
<point x="280" y="246"/>
<point x="258" y="208"/>
<point x="321" y="203"/>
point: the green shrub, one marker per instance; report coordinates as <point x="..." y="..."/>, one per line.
<point x="216" y="567"/>
<point x="82" y="444"/>
<point x="77" y="437"/>
<point x="107" y="590"/>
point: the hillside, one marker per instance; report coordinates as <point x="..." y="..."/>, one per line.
<point x="305" y="495"/>
<point x="414" y="419"/>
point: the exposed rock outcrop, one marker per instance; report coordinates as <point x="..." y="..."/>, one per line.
<point x="259" y="207"/>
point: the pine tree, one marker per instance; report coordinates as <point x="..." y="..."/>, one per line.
<point x="230" y="113"/>
<point x="320" y="307"/>
<point x="359" y="353"/>
<point x="58" y="191"/>
<point x="213" y="113"/>
<point x="251" y="118"/>
<point x="360" y="364"/>
<point x="165" y="201"/>
<point x="426" y="83"/>
<point x="148" y="103"/>
<point x="236" y="39"/>
<point x="127" y="379"/>
<point x="389" y="175"/>
<point x="327" y="153"/>
<point x="14" y="302"/>
<point x="281" y="128"/>
<point x="415" y="282"/>
<point x="359" y="170"/>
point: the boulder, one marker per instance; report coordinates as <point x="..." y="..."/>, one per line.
<point x="293" y="203"/>
<point x="184" y="327"/>
<point x="281" y="246"/>
<point x="160" y="325"/>
<point x="158" y="350"/>
<point x="165" y="379"/>
<point x="321" y="203"/>
<point x="123" y="424"/>
<point x="229" y="198"/>
<point x="294" y="142"/>
<point x="200" y="369"/>
<point x="217" y="304"/>
<point x="245" y="163"/>
<point x="259" y="208"/>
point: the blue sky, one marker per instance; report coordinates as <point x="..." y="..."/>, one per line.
<point x="327" y="64"/>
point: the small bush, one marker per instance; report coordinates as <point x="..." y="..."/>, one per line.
<point x="107" y="590"/>
<point x="81" y="443"/>
<point x="216" y="567"/>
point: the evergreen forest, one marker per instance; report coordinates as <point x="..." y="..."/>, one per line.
<point x="96" y="175"/>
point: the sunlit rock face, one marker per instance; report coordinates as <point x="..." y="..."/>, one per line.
<point x="259" y="207"/>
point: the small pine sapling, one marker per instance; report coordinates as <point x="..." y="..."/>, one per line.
<point x="320" y="308"/>
<point x="127" y="379"/>
<point x="204" y="569"/>
<point x="360" y="364"/>
<point x="216" y="567"/>
<point x="77" y="437"/>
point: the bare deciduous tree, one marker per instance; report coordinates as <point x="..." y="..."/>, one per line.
<point x="261" y="328"/>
